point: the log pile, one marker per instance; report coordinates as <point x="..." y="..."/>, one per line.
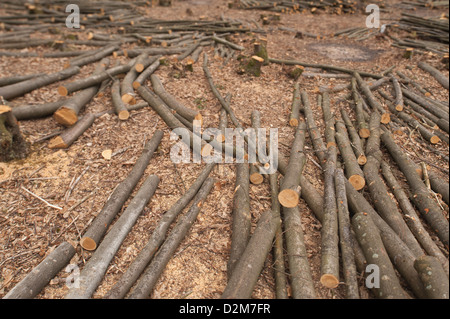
<point x="359" y="159"/>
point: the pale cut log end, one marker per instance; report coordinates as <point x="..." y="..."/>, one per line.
<point x="364" y="133"/>
<point x="65" y="116"/>
<point x="288" y="198"/>
<point x="357" y="181"/>
<point x="256" y="178"/>
<point x="362" y="160"/>
<point x="139" y="67"/>
<point x="128" y="99"/>
<point x="220" y="138"/>
<point x="293" y="122"/>
<point x="329" y="281"/>
<point x="434" y="139"/>
<point x="399" y="107"/>
<point x="199" y="117"/>
<point x="385" y="118"/>
<point x="57" y="143"/>
<point x="136" y="84"/>
<point x="63" y="91"/>
<point x="207" y="150"/>
<point x="5" y="109"/>
<point x="124" y="115"/>
<point x="88" y="243"/>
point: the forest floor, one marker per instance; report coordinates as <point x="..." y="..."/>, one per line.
<point x="29" y="229"/>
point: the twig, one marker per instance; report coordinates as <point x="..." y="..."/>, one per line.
<point x="40" y="198"/>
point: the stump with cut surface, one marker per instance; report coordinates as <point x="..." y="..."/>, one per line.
<point x="12" y="144"/>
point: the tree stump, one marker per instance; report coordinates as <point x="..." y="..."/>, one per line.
<point x="12" y="144"/>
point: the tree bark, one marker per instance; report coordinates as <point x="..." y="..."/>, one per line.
<point x="18" y="89"/>
<point x="29" y="112"/>
<point x="356" y="143"/>
<point x="18" y="78"/>
<point x="41" y="275"/>
<point x="345" y="238"/>
<point x="95" y="269"/>
<point x="433" y="277"/>
<point x="150" y="276"/>
<point x="97" y="229"/>
<point x="370" y="240"/>
<point x="241" y="226"/>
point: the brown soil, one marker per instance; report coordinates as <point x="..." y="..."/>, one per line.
<point x="30" y="229"/>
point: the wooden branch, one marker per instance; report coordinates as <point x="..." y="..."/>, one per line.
<point x="345" y="237"/>
<point x="40" y="276"/>
<point x="97" y="229"/>
<point x="152" y="273"/>
<point x="147" y="72"/>
<point x="18" y="78"/>
<point x="119" y="105"/>
<point x="241" y="226"/>
<point x="95" y="269"/>
<point x="356" y="143"/>
<point x="295" y="106"/>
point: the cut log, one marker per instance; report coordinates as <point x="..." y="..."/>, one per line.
<point x="260" y="49"/>
<point x="120" y="289"/>
<point x="369" y="238"/>
<point x="97" y="229"/>
<point x="398" y="102"/>
<point x="363" y="127"/>
<point x="18" y="89"/>
<point x="289" y="194"/>
<point x="146" y="73"/>
<point x="95" y="79"/>
<point x="346" y="238"/>
<point x="441" y="78"/>
<point x="73" y="133"/>
<point x="278" y="247"/>
<point x="356" y="143"/>
<point x="242" y="218"/>
<point x="29" y="112"/>
<point x="40" y="276"/>
<point x="126" y="88"/>
<point x="104" y="52"/>
<point x="152" y="273"/>
<point x="314" y="133"/>
<point x="118" y="103"/>
<point x="433" y="277"/>
<point x="18" y="78"/>
<point x="12" y="143"/>
<point x="172" y="102"/>
<point x="95" y="269"/>
<point x="299" y="268"/>
<point x="247" y="270"/>
<point x="372" y="100"/>
<point x="251" y="65"/>
<point x="67" y="114"/>
<point x="295" y="106"/>
<point x="421" y="197"/>
<point x="352" y="170"/>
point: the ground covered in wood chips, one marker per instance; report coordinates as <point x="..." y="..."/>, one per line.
<point x="30" y="229"/>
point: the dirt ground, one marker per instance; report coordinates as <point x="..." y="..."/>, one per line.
<point x="30" y="229"/>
